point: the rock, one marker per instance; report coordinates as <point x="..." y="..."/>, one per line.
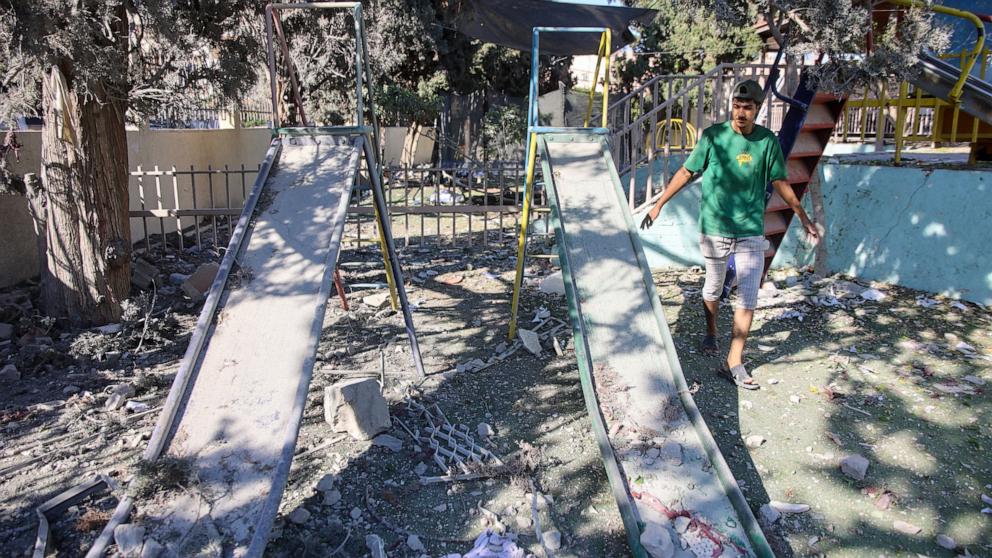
<point x="484" y="430"/>
<point x="326" y="482"/>
<point x="413" y="541"/>
<point x="109" y="329"/>
<point x="69" y="390"/>
<point x="788" y="507"/>
<point x="299" y="516"/>
<point x="420" y="469"/>
<point x="377" y="300"/>
<point x="136" y="407"/>
<point x="356" y="513"/>
<point x="906" y="528"/>
<point x="152" y="549"/>
<point x="946" y="542"/>
<point x="143" y="274"/>
<point x="118" y="396"/>
<point x="9" y="373"/>
<point x="553" y="284"/>
<point x="375" y="546"/>
<point x="178" y="278"/>
<point x="6" y="331"/>
<point x="854" y="466"/>
<point x="974" y="380"/>
<point x="747" y="405"/>
<point x="531" y="341"/>
<point x="770" y="514"/>
<point x="671" y="451"/>
<point x="331" y="497"/>
<point x="681" y="524"/>
<point x="754" y="441"/>
<point x="357" y="407"/>
<point x="129" y="538"/>
<point x="552" y="539"/>
<point x="198" y="284"/>
<point x="440" y="508"/>
<point x="657" y="541"/>
<point x="795" y="399"/>
<point x="773" y="381"/>
<point x="387" y="441"/>
<point x="653" y="453"/>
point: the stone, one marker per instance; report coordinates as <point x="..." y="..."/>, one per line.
<point x="9" y="373"/>
<point x="357" y="407"/>
<point x="178" y="278"/>
<point x="356" y="513"/>
<point x="484" y="430"/>
<point x="974" y="380"/>
<point x="531" y="341"/>
<point x="327" y="482"/>
<point x="671" y="451"/>
<point x="129" y="538"/>
<point x="136" y="407"/>
<point x="854" y="466"/>
<point x="769" y="514"/>
<point x="391" y="442"/>
<point x="657" y="541"/>
<point x="906" y="528"/>
<point x="375" y="546"/>
<point x="553" y="284"/>
<point x="681" y="524"/>
<point x="109" y="329"/>
<point x="413" y="541"/>
<point x="653" y="453"/>
<point x="118" y="396"/>
<point x="152" y="549"/>
<point x="795" y="399"/>
<point x="440" y="508"/>
<point x="754" y="441"/>
<point x="6" y="331"/>
<point x="299" y="516"/>
<point x="420" y="469"/>
<point x="377" y="300"/>
<point x="552" y="539"/>
<point x="332" y="497"/>
<point x="198" y="284"/>
<point x="788" y="507"/>
<point x="946" y="542"/>
<point x="524" y="523"/>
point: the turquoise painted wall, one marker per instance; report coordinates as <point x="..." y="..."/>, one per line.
<point x="924" y="229"/>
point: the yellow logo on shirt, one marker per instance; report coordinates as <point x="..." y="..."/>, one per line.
<point x="744" y="159"/>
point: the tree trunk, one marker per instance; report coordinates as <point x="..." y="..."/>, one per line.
<point x="85" y="173"/>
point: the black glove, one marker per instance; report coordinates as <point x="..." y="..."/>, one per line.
<point x="647" y="222"/>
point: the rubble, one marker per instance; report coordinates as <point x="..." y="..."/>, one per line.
<point x="299" y="516"/>
<point x="391" y="443"/>
<point x="657" y="541"/>
<point x="198" y="284"/>
<point x="770" y="514"/>
<point x="377" y="300"/>
<point x="854" y="466"/>
<point x="118" y="396"/>
<point x="357" y="407"/>
<point x="9" y="373"/>
<point x="531" y="341"/>
<point x="129" y="539"/>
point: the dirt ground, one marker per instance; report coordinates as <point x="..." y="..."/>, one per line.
<point x="900" y="381"/>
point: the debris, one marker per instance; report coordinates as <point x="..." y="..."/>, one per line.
<point x="129" y="539"/>
<point x="657" y="540"/>
<point x="198" y="284"/>
<point x="789" y="507"/>
<point x="965" y="348"/>
<point x="152" y="549"/>
<point x="924" y="301"/>
<point x="449" y="279"/>
<point x="356" y="513"/>
<point x="442" y="507"/>
<point x="552" y="539"/>
<point x="178" y="278"/>
<point x="747" y="405"/>
<point x="953" y="389"/>
<point x="143" y="274"/>
<point x="553" y="284"/>
<point x="795" y="399"/>
<point x="6" y="331"/>
<point x="754" y="441"/>
<point x="377" y="300"/>
<point x="946" y="542"/>
<point x="420" y="469"/>
<point x="874" y="295"/>
<point x="375" y="546"/>
<point x="9" y="373"/>
<point x="387" y="441"/>
<point x="770" y="514"/>
<point x="906" y="528"/>
<point x="672" y="451"/>
<point x="834" y="438"/>
<point x="332" y="497"/>
<point x="118" y="396"/>
<point x="413" y="541"/>
<point x="974" y="380"/>
<point x="773" y="381"/>
<point x="357" y="407"/>
<point x="531" y="341"/>
<point x="854" y="466"/>
<point x="299" y="516"/>
<point x="109" y="329"/>
<point x="136" y="406"/>
<point x="541" y="315"/>
<point x="987" y="499"/>
<point x="790" y="315"/>
<point x="484" y="430"/>
<point x="326" y="482"/>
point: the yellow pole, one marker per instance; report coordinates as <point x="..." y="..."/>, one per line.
<point x="390" y="280"/>
<point x="522" y="240"/>
<point x="606" y="73"/>
<point x="595" y="82"/>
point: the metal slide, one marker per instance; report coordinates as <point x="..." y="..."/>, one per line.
<point x="664" y="467"/>
<point x="938" y="77"/>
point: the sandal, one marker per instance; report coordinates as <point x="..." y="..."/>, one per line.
<point x="708" y="345"/>
<point x="738" y="375"/>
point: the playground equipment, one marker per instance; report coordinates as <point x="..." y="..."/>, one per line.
<point x="234" y="410"/>
<point x="631" y="377"/>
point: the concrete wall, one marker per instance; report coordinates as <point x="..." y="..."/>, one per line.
<point x="919" y="228"/>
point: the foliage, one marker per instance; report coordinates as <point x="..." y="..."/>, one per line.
<point x="503" y="132"/>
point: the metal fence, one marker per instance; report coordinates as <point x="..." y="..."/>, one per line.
<point x="175" y="209"/>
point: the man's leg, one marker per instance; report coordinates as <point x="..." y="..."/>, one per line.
<point x="715" y="251"/>
<point x="750" y="264"/>
<point x="742" y="326"/>
<point x="711" y="308"/>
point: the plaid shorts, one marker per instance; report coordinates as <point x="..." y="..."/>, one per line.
<point x="749" y="258"/>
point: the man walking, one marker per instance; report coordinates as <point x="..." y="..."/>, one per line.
<point x="738" y="159"/>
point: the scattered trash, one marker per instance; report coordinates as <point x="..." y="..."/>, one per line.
<point x="926" y="302"/>
<point x="874" y="295"/>
<point x="790" y="315"/>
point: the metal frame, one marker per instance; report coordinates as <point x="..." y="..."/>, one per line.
<point x="534" y="128"/>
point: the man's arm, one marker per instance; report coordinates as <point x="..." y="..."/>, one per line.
<point x="675" y="185"/>
<point x="784" y="189"/>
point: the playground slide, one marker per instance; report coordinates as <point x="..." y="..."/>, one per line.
<point x="938" y="77"/>
<point x="234" y="411"/>
<point x="660" y="457"/>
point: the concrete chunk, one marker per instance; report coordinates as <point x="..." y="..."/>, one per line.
<point x="553" y="284"/>
<point x="854" y="466"/>
<point x="129" y="539"/>
<point x="531" y="341"/>
<point x="356" y="407"/>
<point x="9" y="373"/>
<point x="198" y="284"/>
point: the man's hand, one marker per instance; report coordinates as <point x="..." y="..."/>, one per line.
<point x="812" y="234"/>
<point x="650" y="217"/>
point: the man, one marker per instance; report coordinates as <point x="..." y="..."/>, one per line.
<point x="738" y="159"/>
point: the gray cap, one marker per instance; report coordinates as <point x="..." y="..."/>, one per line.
<point x="750" y="90"/>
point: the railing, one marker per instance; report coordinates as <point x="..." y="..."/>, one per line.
<point x="177" y="209"/>
<point x="658" y="118"/>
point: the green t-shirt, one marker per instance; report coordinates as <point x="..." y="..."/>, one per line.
<point x="736" y="169"/>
